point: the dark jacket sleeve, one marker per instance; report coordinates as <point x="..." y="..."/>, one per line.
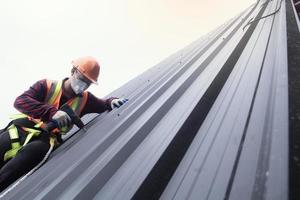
<point x="31" y="102"/>
<point x="96" y="105"/>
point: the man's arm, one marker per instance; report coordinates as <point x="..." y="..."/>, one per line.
<point x="31" y="102"/>
<point x="96" y="105"/>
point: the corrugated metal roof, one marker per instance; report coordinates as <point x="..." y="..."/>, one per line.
<point x="293" y="44"/>
<point x="209" y="122"/>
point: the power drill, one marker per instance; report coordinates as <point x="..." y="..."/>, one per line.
<point x="74" y="118"/>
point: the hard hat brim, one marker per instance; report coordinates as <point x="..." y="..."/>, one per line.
<point x="85" y="75"/>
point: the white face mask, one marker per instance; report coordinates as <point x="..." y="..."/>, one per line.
<point x="78" y="85"/>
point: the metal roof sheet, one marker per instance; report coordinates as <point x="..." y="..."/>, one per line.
<point x="209" y="122"/>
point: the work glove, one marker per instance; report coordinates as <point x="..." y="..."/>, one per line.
<point x="62" y="119"/>
<point x="116" y="103"/>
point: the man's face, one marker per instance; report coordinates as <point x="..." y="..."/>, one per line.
<point x="79" y="82"/>
<point x="81" y="77"/>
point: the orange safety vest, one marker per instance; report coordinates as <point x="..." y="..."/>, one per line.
<point x="54" y="92"/>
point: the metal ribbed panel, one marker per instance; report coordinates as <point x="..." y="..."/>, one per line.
<point x="293" y="43"/>
<point x="209" y="122"/>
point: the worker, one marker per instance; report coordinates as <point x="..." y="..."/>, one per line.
<point x="23" y="143"/>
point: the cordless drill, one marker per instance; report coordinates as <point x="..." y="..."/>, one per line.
<point x="74" y="118"/>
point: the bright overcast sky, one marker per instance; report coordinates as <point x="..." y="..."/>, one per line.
<point x="38" y="39"/>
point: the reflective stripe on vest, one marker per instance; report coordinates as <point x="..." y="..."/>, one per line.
<point x="54" y="92"/>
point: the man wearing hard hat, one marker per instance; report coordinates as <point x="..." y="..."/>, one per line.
<point x="22" y="143"/>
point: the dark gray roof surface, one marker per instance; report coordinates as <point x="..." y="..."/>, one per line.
<point x="293" y="43"/>
<point x="209" y="122"/>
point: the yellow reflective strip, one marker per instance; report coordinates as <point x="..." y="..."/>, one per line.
<point x="74" y="104"/>
<point x="13" y="132"/>
<point x="15" y="145"/>
<point x="34" y="131"/>
<point x="31" y="133"/>
<point x="18" y="116"/>
<point x="10" y="154"/>
<point x="38" y="125"/>
<point x="28" y="138"/>
<point x="56" y="92"/>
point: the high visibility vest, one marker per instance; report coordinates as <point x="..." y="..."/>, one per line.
<point x="54" y="92"/>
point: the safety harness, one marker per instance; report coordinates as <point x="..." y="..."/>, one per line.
<point x="34" y="127"/>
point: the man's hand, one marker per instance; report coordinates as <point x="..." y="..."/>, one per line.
<point x="62" y="119"/>
<point x="116" y="103"/>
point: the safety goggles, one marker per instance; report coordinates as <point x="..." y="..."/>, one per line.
<point x="81" y="77"/>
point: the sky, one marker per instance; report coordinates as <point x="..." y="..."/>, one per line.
<point x="39" y="39"/>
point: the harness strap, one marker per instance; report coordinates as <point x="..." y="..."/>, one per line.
<point x="31" y="133"/>
<point x="15" y="143"/>
<point x="30" y="172"/>
<point x="22" y="122"/>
